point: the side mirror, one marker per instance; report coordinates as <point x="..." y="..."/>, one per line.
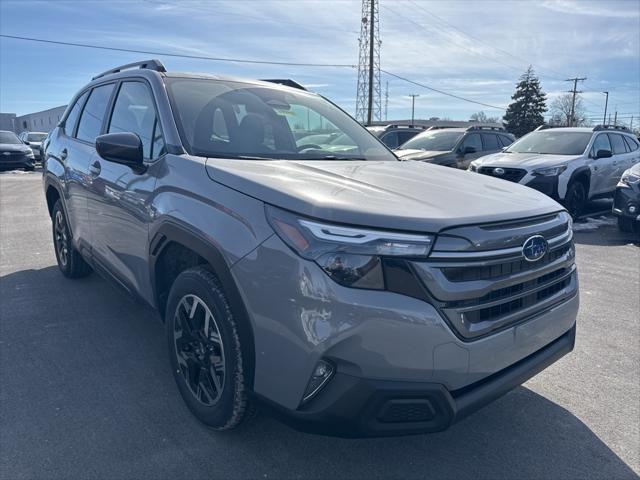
<point x="123" y="148"/>
<point x="603" y="154"/>
<point x="468" y="149"/>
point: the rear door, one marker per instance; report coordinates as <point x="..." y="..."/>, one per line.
<point x="120" y="201"/>
<point x="601" y="168"/>
<point x="621" y="158"/>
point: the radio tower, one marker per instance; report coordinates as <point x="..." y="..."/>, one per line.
<point x="368" y="102"/>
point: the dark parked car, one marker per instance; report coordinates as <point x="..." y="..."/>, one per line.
<point x="351" y="292"/>
<point x="626" y="200"/>
<point x="14" y="153"/>
<point x="395" y="135"/>
<point x="455" y="147"/>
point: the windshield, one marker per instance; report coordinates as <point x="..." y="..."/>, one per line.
<point x="10" y="138"/>
<point x="552" y="143"/>
<point x="439" y="140"/>
<point x="239" y="120"/>
<point x="36" y="137"/>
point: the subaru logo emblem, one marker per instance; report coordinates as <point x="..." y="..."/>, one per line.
<point x="498" y="171"/>
<point x="534" y="248"/>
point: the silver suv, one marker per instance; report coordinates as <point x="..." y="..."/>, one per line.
<point x="571" y="165"/>
<point x="348" y="292"/>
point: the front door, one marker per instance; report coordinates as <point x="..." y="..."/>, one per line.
<point x="120" y="201"/>
<point x="474" y="142"/>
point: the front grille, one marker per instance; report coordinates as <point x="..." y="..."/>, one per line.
<point x="469" y="274"/>
<point x="481" y="290"/>
<point x="13" y="157"/>
<point x="511" y="174"/>
<point x="406" y="411"/>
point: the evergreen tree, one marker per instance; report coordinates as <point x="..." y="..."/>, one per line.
<point x="525" y="113"/>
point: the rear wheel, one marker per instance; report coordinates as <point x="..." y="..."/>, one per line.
<point x="575" y="198"/>
<point x="70" y="262"/>
<point x="206" y="353"/>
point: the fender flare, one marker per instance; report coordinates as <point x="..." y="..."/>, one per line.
<point x="173" y="232"/>
<point x="580" y="171"/>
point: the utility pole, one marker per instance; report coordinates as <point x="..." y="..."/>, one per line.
<point x="572" y="119"/>
<point x="413" y="106"/>
<point x="609" y="120"/>
<point x="606" y="102"/>
<point x="369" y="102"/>
<point x="615" y="118"/>
<point x="631" y="124"/>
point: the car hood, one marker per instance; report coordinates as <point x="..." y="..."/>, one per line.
<point x="524" y="160"/>
<point x="411" y="196"/>
<point x="411" y="154"/>
<point x="13" y="147"/>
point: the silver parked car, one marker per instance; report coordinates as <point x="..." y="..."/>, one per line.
<point x="352" y="293"/>
<point x="34" y="141"/>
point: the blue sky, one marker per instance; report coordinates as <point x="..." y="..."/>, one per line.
<point x="475" y="49"/>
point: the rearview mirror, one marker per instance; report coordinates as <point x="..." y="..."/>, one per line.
<point x="603" y="154"/>
<point x="123" y="148"/>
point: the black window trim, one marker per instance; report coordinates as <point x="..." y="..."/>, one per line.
<point x="63" y="122"/>
<point x="112" y="103"/>
<point x="631" y="143"/>
<point x="623" y="144"/>
<point x="91" y="89"/>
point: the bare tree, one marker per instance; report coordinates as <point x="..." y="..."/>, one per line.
<point x="561" y="111"/>
<point x="482" y="118"/>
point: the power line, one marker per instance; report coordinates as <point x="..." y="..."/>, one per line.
<point x="405" y="79"/>
<point x="180" y="55"/>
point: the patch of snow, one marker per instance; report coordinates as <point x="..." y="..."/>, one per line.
<point x="590" y="224"/>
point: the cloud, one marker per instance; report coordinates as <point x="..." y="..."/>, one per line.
<point x="595" y="9"/>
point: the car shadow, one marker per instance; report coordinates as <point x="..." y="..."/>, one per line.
<point x="87" y="391"/>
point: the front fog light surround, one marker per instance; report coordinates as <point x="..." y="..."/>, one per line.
<point x="351" y="256"/>
<point x="319" y="378"/>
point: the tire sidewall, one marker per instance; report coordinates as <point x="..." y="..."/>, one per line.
<point x="65" y="269"/>
<point x="573" y="188"/>
<point x="222" y="412"/>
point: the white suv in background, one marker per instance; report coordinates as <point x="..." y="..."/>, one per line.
<point x="571" y="165"/>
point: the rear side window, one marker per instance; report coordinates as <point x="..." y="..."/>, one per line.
<point x="631" y="143"/>
<point x="490" y="141"/>
<point x="390" y="139"/>
<point x="93" y="113"/>
<point x="506" y="141"/>
<point x="405" y="136"/>
<point x="72" y="118"/>
<point x="617" y="143"/>
<point x="135" y="112"/>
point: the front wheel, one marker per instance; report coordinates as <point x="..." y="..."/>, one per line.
<point x="207" y="357"/>
<point x="575" y="199"/>
<point x="70" y="262"/>
<point x="626" y="224"/>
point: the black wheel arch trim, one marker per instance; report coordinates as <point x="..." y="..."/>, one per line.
<point x="171" y="231"/>
<point x="578" y="172"/>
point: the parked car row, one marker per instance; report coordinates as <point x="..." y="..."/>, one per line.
<point x="34" y="141"/>
<point x="14" y="153"/>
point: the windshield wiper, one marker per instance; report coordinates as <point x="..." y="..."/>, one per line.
<point x="231" y="156"/>
<point x="335" y="157"/>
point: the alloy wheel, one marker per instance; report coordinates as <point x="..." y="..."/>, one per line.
<point x="61" y="239"/>
<point x="199" y="349"/>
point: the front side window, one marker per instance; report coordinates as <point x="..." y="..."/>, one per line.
<point x="239" y="120"/>
<point x="506" y="141"/>
<point x="600" y="143"/>
<point x="390" y="139"/>
<point x="93" y="113"/>
<point x="552" y="142"/>
<point x="135" y="112"/>
<point x="472" y="140"/>
<point x="617" y="143"/>
<point x="436" y="140"/>
<point x="72" y="118"/>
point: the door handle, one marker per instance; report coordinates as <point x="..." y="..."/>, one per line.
<point x="63" y="154"/>
<point x="95" y="168"/>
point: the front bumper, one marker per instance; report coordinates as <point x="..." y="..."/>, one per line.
<point x="545" y="184"/>
<point x="626" y="199"/>
<point x="16" y="160"/>
<point x="360" y="407"/>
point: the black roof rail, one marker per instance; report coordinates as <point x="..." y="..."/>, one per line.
<point x="286" y="82"/>
<point x="403" y="125"/>
<point x="622" y="128"/>
<point x="485" y="127"/>
<point x="440" y="127"/>
<point x="152" y="64"/>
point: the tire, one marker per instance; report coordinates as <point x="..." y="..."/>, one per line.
<point x="70" y="262"/>
<point x="30" y="168"/>
<point x="626" y="225"/>
<point x="575" y="199"/>
<point x="207" y="357"/>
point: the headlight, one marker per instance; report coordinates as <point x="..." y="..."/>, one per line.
<point x="629" y="178"/>
<point x="349" y="255"/>
<point x="550" y="171"/>
<point x="473" y="167"/>
<point x="29" y="153"/>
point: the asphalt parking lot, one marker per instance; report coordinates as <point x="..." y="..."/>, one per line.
<point x="86" y="392"/>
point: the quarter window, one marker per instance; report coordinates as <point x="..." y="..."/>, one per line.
<point x="617" y="143"/>
<point x="601" y="143"/>
<point x="631" y="143"/>
<point x="135" y="112"/>
<point x="93" y="113"/>
<point x="390" y="139"/>
<point x="506" y="141"/>
<point x="72" y="118"/>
